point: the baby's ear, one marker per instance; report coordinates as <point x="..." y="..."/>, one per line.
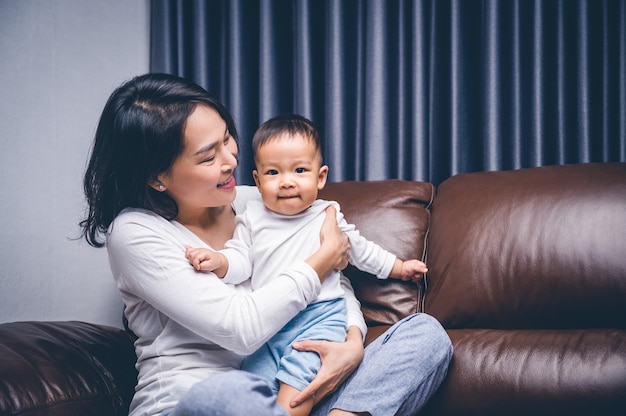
<point x="255" y="175"/>
<point x="321" y="177"/>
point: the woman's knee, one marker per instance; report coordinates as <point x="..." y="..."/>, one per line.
<point x="428" y="332"/>
<point x="438" y="334"/>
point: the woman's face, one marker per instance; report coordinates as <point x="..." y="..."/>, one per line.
<point x="202" y="176"/>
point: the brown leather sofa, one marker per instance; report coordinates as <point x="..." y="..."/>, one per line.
<point x="527" y="274"/>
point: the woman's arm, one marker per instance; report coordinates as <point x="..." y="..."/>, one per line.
<point x="147" y="258"/>
<point x="334" y="251"/>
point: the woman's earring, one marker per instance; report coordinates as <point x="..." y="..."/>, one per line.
<point x="161" y="188"/>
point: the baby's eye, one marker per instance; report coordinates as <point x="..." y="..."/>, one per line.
<point x="272" y="172"/>
<point x="300" y="170"/>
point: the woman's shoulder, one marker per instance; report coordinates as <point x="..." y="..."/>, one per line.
<point x="136" y="221"/>
<point x="137" y="216"/>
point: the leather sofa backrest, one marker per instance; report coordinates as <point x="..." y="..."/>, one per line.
<point x="395" y="215"/>
<point x="534" y="248"/>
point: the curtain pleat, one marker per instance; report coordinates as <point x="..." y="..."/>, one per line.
<point x="408" y="89"/>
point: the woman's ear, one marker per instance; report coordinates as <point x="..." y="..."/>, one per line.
<point x="321" y="177"/>
<point x="156" y="184"/>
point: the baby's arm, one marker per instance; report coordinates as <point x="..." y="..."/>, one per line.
<point x="203" y="259"/>
<point x="372" y="258"/>
<point x="408" y="270"/>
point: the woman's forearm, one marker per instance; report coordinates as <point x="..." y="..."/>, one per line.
<point x="334" y="247"/>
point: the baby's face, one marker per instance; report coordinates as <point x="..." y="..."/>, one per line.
<point x="289" y="174"/>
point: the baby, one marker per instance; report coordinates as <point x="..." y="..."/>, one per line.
<point x="285" y="228"/>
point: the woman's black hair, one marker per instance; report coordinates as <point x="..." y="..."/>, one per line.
<point x="139" y="136"/>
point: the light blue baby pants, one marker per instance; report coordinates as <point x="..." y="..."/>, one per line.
<point x="277" y="361"/>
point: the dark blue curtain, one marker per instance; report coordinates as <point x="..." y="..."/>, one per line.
<point x="417" y="90"/>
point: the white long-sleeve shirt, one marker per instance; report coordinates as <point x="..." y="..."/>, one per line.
<point x="265" y="242"/>
<point x="191" y="325"/>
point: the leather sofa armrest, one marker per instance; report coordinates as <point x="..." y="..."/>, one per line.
<point x="65" y="368"/>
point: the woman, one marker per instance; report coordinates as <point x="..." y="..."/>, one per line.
<point x="160" y="178"/>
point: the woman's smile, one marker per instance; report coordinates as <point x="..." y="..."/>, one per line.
<point x="228" y="184"/>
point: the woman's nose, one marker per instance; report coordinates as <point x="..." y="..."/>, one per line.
<point x="230" y="160"/>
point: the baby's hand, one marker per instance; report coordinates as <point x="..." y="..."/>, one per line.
<point x="413" y="270"/>
<point x="203" y="259"/>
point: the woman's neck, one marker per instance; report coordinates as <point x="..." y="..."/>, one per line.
<point x="213" y="225"/>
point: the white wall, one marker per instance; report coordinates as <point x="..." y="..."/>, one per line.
<point x="59" y="61"/>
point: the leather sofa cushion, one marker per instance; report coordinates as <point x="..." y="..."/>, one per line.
<point x="534" y="372"/>
<point x="534" y="248"/>
<point x="394" y="214"/>
<point x="65" y="369"/>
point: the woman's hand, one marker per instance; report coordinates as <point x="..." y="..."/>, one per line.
<point x="334" y="251"/>
<point x="339" y="360"/>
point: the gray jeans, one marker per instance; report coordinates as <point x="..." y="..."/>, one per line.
<point x="400" y="371"/>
